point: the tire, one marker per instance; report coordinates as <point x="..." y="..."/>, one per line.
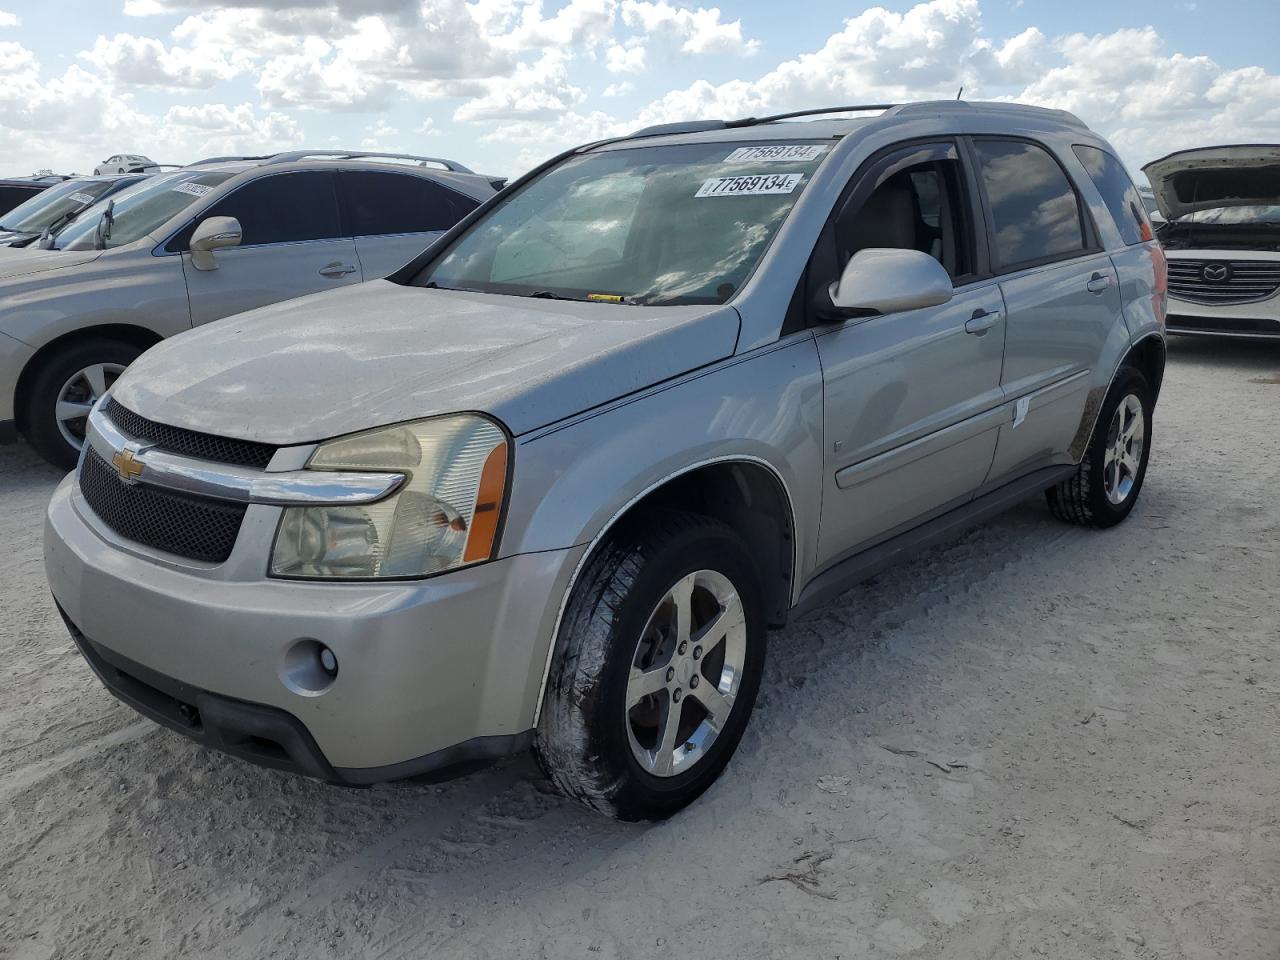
<point x="591" y="742"/>
<point x="39" y="414"/>
<point x="1089" y="498"/>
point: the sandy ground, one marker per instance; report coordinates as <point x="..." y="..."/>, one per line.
<point x="1035" y="742"/>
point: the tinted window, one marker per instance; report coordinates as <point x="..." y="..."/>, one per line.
<point x="138" y="210"/>
<point x="10" y="197"/>
<point x="1035" y="210"/>
<point x="1118" y="193"/>
<point x="917" y="208"/>
<point x="284" y="208"/>
<point x="388" y="203"/>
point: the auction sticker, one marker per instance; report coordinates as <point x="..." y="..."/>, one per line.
<point x="83" y="197"/>
<point x="777" y="153"/>
<point x="195" y="189"/>
<point x="749" y="186"/>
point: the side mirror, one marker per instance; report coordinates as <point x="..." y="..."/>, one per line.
<point x="889" y="280"/>
<point x="213" y="234"/>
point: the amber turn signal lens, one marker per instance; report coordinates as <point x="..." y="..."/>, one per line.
<point x="484" y="521"/>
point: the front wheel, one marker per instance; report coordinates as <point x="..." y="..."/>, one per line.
<point x="1107" y="481"/>
<point x="659" y="660"/>
<point x="63" y="391"/>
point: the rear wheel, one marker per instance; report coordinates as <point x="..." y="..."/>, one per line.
<point x="659" y="661"/>
<point x="1109" y="478"/>
<point x="63" y="391"/>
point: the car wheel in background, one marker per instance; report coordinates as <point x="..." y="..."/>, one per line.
<point x="1109" y="478"/>
<point x="64" y="389"/>
<point x="659" y="659"/>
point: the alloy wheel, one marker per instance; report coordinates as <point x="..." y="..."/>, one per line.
<point x="77" y="397"/>
<point x="1125" y="441"/>
<point x="685" y="674"/>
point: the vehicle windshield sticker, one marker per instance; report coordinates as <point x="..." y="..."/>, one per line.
<point x="777" y="153"/>
<point x="195" y="189"/>
<point x="604" y="297"/>
<point x="747" y="186"/>
<point x="83" y="197"/>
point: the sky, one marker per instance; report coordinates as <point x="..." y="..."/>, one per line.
<point x="502" y="84"/>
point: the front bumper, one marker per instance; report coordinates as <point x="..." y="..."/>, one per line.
<point x="432" y="673"/>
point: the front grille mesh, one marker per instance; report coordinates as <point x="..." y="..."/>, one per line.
<point x="190" y="443"/>
<point x="177" y="523"/>
<point x="1245" y="280"/>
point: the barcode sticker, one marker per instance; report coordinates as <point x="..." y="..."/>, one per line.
<point x="195" y="189"/>
<point x="777" y="153"/>
<point x="83" y="197"/>
<point x="749" y="186"/>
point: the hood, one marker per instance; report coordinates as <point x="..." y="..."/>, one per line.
<point x="21" y="261"/>
<point x="1212" y="177"/>
<point x="377" y="353"/>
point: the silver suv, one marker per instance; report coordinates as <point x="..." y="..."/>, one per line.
<point x="157" y="259"/>
<point x="551" y="483"/>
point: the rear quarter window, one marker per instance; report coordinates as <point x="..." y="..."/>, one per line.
<point x="1118" y="193"/>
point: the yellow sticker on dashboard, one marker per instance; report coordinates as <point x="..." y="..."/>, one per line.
<point x="605" y="297"/>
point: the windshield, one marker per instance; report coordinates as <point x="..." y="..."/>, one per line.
<point x="1235" y="216"/>
<point x="140" y="209"/>
<point x="648" y="225"/>
<point x="54" y="204"/>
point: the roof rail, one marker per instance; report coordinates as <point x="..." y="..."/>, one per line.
<point x="226" y="159"/>
<point x="814" y="112"/>
<point x="680" y="126"/>
<point x="993" y="106"/>
<point x="289" y="157"/>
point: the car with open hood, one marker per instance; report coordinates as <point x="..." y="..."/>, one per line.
<point x="1222" y="238"/>
<point x="551" y="482"/>
<point x="184" y="247"/>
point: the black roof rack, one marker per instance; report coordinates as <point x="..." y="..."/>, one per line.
<point x="814" y="112"/>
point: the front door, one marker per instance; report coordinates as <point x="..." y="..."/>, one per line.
<point x="292" y="245"/>
<point x="912" y="399"/>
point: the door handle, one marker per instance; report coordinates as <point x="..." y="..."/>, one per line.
<point x="337" y="269"/>
<point x="1098" y="282"/>
<point x="981" y="322"/>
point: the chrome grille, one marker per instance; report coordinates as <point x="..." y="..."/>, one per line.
<point x="193" y="527"/>
<point x="189" y="443"/>
<point x="1223" y="281"/>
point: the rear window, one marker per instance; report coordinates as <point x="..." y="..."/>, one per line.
<point x="1118" y="193"/>
<point x="382" y="204"/>
<point x="1034" y="207"/>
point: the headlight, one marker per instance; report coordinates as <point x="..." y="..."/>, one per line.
<point x="445" y="515"/>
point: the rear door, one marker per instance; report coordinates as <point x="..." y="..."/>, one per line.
<point x="1062" y="296"/>
<point x="293" y="244"/>
<point x="395" y="216"/>
<point x="911" y="400"/>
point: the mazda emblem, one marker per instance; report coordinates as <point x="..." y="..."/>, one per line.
<point x="1216" y="272"/>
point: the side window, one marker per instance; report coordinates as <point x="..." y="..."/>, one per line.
<point x="1034" y="208"/>
<point x="379" y="204"/>
<point x="919" y="207"/>
<point x="282" y="208"/>
<point x="1118" y="193"/>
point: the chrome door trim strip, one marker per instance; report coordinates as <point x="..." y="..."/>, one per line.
<point x="224" y="481"/>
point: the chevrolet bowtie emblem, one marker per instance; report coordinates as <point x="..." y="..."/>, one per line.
<point x="129" y="467"/>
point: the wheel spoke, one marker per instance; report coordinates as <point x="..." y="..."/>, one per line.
<point x="730" y="616"/>
<point x="70" y="410"/>
<point x="718" y="706"/>
<point x="664" y="754"/>
<point x="97" y="377"/>
<point x="682" y="598"/>
<point x="1130" y="464"/>
<point x="644" y="683"/>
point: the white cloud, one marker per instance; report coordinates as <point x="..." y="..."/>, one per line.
<point x="618" y="89"/>
<point x="8" y="19"/>
<point x="625" y="59"/>
<point x="696" y="31"/>
<point x="145" y="62"/>
<point x="538" y="90"/>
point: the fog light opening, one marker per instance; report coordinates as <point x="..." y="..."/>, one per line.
<point x="309" y="667"/>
